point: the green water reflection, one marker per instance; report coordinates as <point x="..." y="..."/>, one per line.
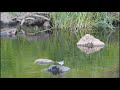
<point x="18" y="56"/>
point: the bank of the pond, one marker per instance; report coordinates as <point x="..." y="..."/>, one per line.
<point x="76" y="22"/>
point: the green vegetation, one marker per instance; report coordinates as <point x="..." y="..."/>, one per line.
<point x="79" y="20"/>
<point x="81" y="23"/>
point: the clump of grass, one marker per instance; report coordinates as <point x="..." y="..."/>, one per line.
<point x="82" y="22"/>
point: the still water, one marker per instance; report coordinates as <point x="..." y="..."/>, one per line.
<point x="18" y="55"/>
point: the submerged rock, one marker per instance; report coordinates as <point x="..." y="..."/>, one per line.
<point x="8" y="32"/>
<point x="57" y="69"/>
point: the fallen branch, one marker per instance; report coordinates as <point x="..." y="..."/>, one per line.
<point x="39" y="16"/>
<point x="22" y="22"/>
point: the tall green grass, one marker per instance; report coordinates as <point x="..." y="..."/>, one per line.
<point x="73" y="20"/>
<point x="83" y="22"/>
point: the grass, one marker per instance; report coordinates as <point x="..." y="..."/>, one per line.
<point x="75" y="21"/>
<point x="78" y="20"/>
<point x="81" y="23"/>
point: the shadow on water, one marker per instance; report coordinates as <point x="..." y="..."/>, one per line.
<point x="18" y="56"/>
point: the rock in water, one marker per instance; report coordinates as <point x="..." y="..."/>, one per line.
<point x="89" y="44"/>
<point x="90" y="41"/>
<point x="43" y="61"/>
<point x="8" y="32"/>
<point x="57" y="69"/>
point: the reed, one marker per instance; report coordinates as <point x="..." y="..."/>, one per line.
<point x="81" y="23"/>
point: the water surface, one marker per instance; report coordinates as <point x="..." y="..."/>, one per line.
<point x="18" y="56"/>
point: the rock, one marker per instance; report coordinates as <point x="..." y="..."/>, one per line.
<point x="28" y="19"/>
<point x="12" y="24"/>
<point x="89" y="44"/>
<point x="42" y="20"/>
<point x="43" y="61"/>
<point x="57" y="69"/>
<point x="47" y="61"/>
<point x="6" y="17"/>
<point x="33" y="18"/>
<point x="89" y="41"/>
<point x="8" y="32"/>
<point x="7" y="21"/>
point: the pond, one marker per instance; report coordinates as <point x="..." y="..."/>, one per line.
<point x="18" y="55"/>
